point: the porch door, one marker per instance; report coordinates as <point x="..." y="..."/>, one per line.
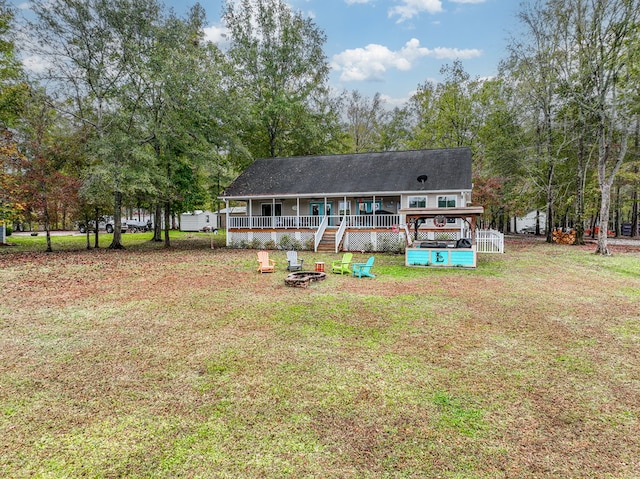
<point x="366" y="207"/>
<point x="267" y="209"/>
<point x="317" y="209"/>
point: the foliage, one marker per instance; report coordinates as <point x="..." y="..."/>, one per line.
<point x="282" y="73"/>
<point x="12" y="207"/>
<point x="12" y="89"/>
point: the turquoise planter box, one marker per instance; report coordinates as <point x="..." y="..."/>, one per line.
<point x="441" y="257"/>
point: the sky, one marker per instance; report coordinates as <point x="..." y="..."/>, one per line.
<point x="392" y="46"/>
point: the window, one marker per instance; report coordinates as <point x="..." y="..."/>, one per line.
<point x="417" y="201"/>
<point x="344" y="208"/>
<point x="446" y="201"/>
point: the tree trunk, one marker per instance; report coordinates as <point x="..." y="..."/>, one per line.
<point x="157" y="226"/>
<point x="550" y="204"/>
<point x="167" y="222"/>
<point x="47" y="228"/>
<point x="604" y="220"/>
<point x="96" y="233"/>
<point x="634" y="214"/>
<point x="117" y="222"/>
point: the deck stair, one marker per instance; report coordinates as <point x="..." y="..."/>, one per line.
<point x="328" y="242"/>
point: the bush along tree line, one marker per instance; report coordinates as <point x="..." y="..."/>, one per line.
<point x="133" y="109"/>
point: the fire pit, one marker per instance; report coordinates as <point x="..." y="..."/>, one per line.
<point x="301" y="279"/>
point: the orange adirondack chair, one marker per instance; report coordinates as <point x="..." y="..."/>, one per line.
<point x="265" y="265"/>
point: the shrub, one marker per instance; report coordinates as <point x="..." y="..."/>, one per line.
<point x="309" y="244"/>
<point x="285" y="242"/>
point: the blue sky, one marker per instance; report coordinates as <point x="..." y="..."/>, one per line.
<point x="392" y="46"/>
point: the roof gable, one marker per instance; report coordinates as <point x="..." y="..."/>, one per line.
<point x="385" y="172"/>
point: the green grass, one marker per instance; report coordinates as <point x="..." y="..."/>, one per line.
<point x="188" y="363"/>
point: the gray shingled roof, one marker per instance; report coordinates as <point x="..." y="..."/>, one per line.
<point x="392" y="172"/>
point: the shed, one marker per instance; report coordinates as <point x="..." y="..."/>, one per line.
<point x="198" y="220"/>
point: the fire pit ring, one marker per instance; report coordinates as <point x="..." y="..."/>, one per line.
<point x="302" y="279"/>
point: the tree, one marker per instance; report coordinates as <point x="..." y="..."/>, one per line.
<point x="11" y="160"/>
<point x="533" y="65"/>
<point x="12" y="89"/>
<point x="579" y="62"/>
<point x="364" y="119"/>
<point x="602" y="32"/>
<point x="90" y="45"/>
<point x="45" y="187"/>
<point x="283" y="73"/>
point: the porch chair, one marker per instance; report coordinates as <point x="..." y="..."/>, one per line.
<point x="364" y="269"/>
<point x="295" y="263"/>
<point x="342" y="266"/>
<point x="265" y="265"/>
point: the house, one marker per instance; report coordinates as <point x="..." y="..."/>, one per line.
<point x="353" y="202"/>
<point x="198" y="220"/>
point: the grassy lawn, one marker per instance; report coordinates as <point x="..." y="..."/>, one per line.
<point x="187" y="363"/>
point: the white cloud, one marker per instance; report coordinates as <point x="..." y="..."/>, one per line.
<point x="373" y="61"/>
<point x="216" y="34"/>
<point x="352" y="2"/>
<point x="410" y="8"/>
<point x="35" y="64"/>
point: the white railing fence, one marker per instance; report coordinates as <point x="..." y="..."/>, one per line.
<point x="489" y="241"/>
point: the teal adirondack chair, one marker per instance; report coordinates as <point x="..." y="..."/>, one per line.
<point x="342" y="266"/>
<point x="364" y="269"/>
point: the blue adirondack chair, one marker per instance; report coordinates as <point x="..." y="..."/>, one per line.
<point x="363" y="269"/>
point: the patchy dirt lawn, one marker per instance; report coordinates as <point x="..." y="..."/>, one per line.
<point x="189" y="363"/>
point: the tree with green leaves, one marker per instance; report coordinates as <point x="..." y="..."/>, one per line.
<point x="576" y="61"/>
<point x="45" y="186"/>
<point x="283" y="73"/>
<point x="85" y="46"/>
<point x="602" y="30"/>
<point x="12" y="89"/>
<point x="533" y="63"/>
<point x="364" y="118"/>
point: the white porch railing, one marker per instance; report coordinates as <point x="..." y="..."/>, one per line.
<point x="489" y="241"/>
<point x="312" y="222"/>
<point x="271" y="222"/>
<point x="372" y="221"/>
<point x="340" y="233"/>
<point x="320" y="233"/>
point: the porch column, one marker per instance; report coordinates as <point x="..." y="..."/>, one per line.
<point x="297" y="212"/>
<point x="226" y="207"/>
<point x="250" y="213"/>
<point x="373" y="215"/>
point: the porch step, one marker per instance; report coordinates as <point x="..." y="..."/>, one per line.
<point x="328" y="242"/>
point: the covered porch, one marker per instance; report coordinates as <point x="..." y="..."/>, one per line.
<point x="320" y="224"/>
